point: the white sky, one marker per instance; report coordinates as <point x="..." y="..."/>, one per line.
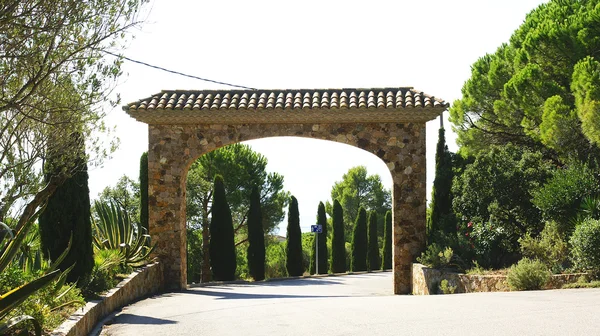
<point x="426" y="44"/>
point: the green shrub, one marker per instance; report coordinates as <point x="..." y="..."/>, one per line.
<point x="436" y="257"/>
<point x="560" y="198"/>
<point x="528" y="275"/>
<point x="107" y="264"/>
<point x="446" y="288"/>
<point x="585" y="246"/>
<point x="592" y="284"/>
<point x="550" y="248"/>
<point x="275" y="260"/>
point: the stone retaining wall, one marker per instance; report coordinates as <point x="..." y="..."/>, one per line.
<point x="141" y="283"/>
<point x="426" y="281"/>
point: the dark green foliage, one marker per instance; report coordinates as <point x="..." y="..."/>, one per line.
<point x="359" y="242"/>
<point x="561" y="197"/>
<point x="338" y="241"/>
<point x="323" y="253"/>
<point x="373" y="262"/>
<point x="442" y="221"/>
<point x="293" y="251"/>
<point x="256" y="238"/>
<point x="68" y="213"/>
<point x="144" y="191"/>
<point x="585" y="246"/>
<point x="222" y="246"/>
<point x="194" y="255"/>
<point x="494" y="193"/>
<point x="387" y="242"/>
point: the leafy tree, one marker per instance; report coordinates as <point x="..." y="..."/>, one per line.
<point x="373" y="261"/>
<point x="357" y="189"/>
<point x="242" y="169"/>
<point x="442" y="221"/>
<point x="144" y="191"/>
<point x="293" y="250"/>
<point x="540" y="90"/>
<point x="495" y="192"/>
<point x="338" y="241"/>
<point x="54" y="75"/>
<point x="359" y="242"/>
<point x="222" y="247"/>
<point x="323" y="253"/>
<point x="386" y="262"/>
<point x="66" y="220"/>
<point x="561" y="197"/>
<point x="256" y="238"/>
<point x="126" y="193"/>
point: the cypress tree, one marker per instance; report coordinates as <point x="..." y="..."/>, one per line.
<point x="359" y="242"/>
<point x="256" y="238"/>
<point x="338" y="241"/>
<point x="293" y="249"/>
<point x="323" y="253"/>
<point x="373" y="262"/>
<point x="386" y="262"/>
<point x="222" y="245"/>
<point x="67" y="216"/>
<point x="442" y="221"/>
<point x="144" y="191"/>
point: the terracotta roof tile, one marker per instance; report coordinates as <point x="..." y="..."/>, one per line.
<point x="401" y="99"/>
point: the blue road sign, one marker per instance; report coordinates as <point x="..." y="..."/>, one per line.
<point x="316" y="228"/>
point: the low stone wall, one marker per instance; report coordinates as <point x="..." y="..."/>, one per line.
<point x="141" y="283"/>
<point x="426" y="281"/>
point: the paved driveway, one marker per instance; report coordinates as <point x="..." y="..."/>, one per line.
<point x="357" y="305"/>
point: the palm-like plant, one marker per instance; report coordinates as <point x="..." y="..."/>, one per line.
<point x="114" y="230"/>
<point x="11" y="243"/>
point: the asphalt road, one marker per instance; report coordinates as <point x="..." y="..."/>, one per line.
<point x="357" y="305"/>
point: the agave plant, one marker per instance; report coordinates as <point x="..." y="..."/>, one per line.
<point x="114" y="230"/>
<point x="11" y="245"/>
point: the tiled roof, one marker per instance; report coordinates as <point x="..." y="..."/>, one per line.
<point x="222" y="103"/>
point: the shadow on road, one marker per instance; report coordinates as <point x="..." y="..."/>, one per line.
<point x="249" y="296"/>
<point x="137" y="319"/>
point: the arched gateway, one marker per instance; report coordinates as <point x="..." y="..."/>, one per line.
<point x="183" y="125"/>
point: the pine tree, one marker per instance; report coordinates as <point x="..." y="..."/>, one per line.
<point x="373" y="262"/>
<point x="442" y="221"/>
<point x="222" y="246"/>
<point x="144" y="191"/>
<point x="323" y="253"/>
<point x="67" y="216"/>
<point x="359" y="242"/>
<point x="256" y="238"/>
<point x="293" y="250"/>
<point x="387" y="243"/>
<point x="338" y="241"/>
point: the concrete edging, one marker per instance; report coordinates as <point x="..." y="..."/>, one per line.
<point x="141" y="283"/>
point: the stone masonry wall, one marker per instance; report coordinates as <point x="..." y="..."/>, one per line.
<point x="173" y="148"/>
<point x="427" y="280"/>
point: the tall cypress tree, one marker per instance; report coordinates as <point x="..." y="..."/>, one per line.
<point x="386" y="262"/>
<point x="256" y="238"/>
<point x="442" y="221"/>
<point x="67" y="214"/>
<point x="323" y="253"/>
<point x="293" y="249"/>
<point x="359" y="242"/>
<point x="144" y="191"/>
<point x="338" y="241"/>
<point x="222" y="245"/>
<point x="373" y="262"/>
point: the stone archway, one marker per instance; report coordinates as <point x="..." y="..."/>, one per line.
<point x="183" y="125"/>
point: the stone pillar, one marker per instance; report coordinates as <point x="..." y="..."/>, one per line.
<point x="408" y="205"/>
<point x="166" y="204"/>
